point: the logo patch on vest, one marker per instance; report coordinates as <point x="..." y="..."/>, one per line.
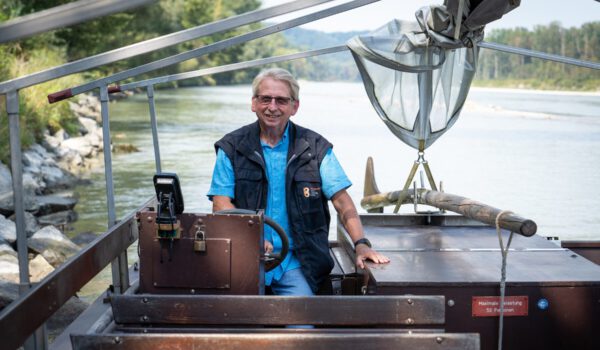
<point x="311" y="192"/>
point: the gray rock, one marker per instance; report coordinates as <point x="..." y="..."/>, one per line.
<point x="6" y="203"/>
<point x="51" y="142"/>
<point x="84" y="110"/>
<point x="39" y="268"/>
<point x="33" y="179"/>
<point x="56" y="178"/>
<point x="31" y="224"/>
<point x="93" y="101"/>
<point x="41" y="151"/>
<point x="54" y="203"/>
<point x="58" y="218"/>
<point x="52" y="245"/>
<point x="61" y="135"/>
<point x="6" y="248"/>
<point x="32" y="159"/>
<point x="5" y="179"/>
<point x="95" y="139"/>
<point x="89" y="125"/>
<point x="8" y="230"/>
<point x="32" y="184"/>
<point x="88" y="106"/>
<point x="9" y="268"/>
<point x="70" y="160"/>
<point x="68" y="194"/>
<point x="7" y="207"/>
<point x="80" y="144"/>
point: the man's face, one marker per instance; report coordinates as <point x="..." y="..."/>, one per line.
<point x="273" y="105"/>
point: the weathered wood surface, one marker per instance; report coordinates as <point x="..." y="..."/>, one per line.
<point x="464" y="206"/>
<point x="380" y="200"/>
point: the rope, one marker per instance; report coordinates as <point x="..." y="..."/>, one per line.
<point x="504" y="252"/>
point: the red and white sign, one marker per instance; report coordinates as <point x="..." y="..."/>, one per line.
<point x="490" y="306"/>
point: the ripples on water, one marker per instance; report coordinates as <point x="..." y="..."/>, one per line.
<point x="536" y="154"/>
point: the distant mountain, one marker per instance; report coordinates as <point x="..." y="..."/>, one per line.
<point x="338" y="66"/>
<point x="313" y="39"/>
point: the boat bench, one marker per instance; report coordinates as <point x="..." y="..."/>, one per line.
<point x="258" y="322"/>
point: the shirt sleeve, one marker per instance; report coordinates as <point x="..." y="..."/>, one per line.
<point x="333" y="177"/>
<point x="223" y="179"/>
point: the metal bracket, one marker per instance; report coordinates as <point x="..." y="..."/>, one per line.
<point x="420" y="161"/>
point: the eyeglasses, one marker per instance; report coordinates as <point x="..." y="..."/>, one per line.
<point x="279" y="100"/>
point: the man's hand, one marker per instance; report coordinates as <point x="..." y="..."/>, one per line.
<point x="349" y="217"/>
<point x="363" y="252"/>
<point x="268" y="247"/>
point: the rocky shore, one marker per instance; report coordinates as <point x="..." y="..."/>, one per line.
<point x="50" y="171"/>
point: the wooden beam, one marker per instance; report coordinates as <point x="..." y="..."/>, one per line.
<point x="461" y="205"/>
<point x="479" y="211"/>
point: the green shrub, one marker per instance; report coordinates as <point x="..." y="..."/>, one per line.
<point x="35" y="113"/>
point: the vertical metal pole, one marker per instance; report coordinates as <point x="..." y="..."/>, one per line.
<point x="120" y="274"/>
<point x="38" y="340"/>
<point x="150" y="93"/>
<point x="12" y="108"/>
<point x="425" y="104"/>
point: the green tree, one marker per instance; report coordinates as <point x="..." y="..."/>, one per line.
<point x="498" y="68"/>
<point x="100" y="35"/>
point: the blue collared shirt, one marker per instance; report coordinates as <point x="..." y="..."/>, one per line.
<point x="333" y="180"/>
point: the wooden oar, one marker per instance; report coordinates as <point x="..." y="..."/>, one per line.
<point x="461" y="205"/>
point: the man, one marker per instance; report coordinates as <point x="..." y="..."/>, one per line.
<point x="290" y="172"/>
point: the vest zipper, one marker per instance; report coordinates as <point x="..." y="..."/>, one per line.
<point x="260" y="195"/>
<point x="289" y="161"/>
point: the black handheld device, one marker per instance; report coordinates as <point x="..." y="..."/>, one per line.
<point x="170" y="204"/>
<point x="168" y="194"/>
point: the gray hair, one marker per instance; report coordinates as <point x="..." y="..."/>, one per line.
<point x="277" y="74"/>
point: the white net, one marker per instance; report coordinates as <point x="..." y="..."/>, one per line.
<point x="418" y="74"/>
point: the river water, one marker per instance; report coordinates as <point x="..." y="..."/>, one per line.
<point x="534" y="153"/>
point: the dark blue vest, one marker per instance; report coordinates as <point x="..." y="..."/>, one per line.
<point x="307" y="207"/>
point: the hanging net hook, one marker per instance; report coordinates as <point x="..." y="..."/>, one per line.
<point x="420" y="161"/>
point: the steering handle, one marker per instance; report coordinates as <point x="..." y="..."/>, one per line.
<point x="272" y="260"/>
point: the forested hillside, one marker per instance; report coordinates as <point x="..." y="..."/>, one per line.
<point x="106" y="33"/>
<point x="497" y="68"/>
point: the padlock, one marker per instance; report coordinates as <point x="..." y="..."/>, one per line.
<point x="199" y="242"/>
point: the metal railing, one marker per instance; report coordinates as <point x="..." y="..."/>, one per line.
<point x="19" y="317"/>
<point x="23" y="316"/>
<point x="63" y="15"/>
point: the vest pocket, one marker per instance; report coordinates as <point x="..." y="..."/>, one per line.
<point x="309" y="197"/>
<point x="248" y="188"/>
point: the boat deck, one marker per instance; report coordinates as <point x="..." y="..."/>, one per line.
<point x="463" y="254"/>
<point x="552" y="293"/>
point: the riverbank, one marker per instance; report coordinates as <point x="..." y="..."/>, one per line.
<point x="51" y="170"/>
<point x="536" y="91"/>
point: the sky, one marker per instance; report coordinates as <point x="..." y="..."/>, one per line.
<point x="530" y="13"/>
